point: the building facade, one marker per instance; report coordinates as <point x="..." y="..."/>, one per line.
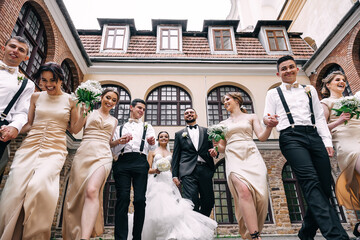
<point x="171" y="69"/>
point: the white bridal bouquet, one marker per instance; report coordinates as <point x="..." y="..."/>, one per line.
<point x="88" y="93"/>
<point x="216" y="133"/>
<point x="349" y="104"/>
<point x="163" y="165"/>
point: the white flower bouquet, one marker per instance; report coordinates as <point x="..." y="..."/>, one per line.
<point x="88" y="93"/>
<point x="349" y="104"/>
<point x="163" y="165"/>
<point x="216" y="133"/>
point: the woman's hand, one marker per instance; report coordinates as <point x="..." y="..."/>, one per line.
<point x="344" y="117"/>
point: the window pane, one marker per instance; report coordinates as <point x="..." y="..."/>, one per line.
<point x="165" y="32"/>
<point x="165" y="43"/>
<point x="174" y="43"/>
<point x="227" y="43"/>
<point x="282" y="44"/>
<point x="279" y="33"/>
<point x="272" y="44"/>
<point x="110" y="41"/>
<point x="120" y="31"/>
<point x="217" y="33"/>
<point x="270" y="34"/>
<point x="226" y="33"/>
<point x="111" y="32"/>
<point x="119" y="42"/>
<point x="174" y="32"/>
<point x="218" y="43"/>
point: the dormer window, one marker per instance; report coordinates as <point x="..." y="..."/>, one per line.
<point x="169" y="39"/>
<point x="276" y="39"/>
<point x="115" y="38"/>
<point x="222" y="40"/>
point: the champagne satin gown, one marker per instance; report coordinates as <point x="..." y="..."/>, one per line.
<point x="33" y="183"/>
<point x="346" y="140"/>
<point x="243" y="159"/>
<point x="94" y="152"/>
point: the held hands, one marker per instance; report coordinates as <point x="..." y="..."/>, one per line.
<point x="213" y="152"/>
<point x="7" y="133"/>
<point x="151" y="140"/>
<point x="176" y="181"/>
<point x="271" y="120"/>
<point x="124" y="139"/>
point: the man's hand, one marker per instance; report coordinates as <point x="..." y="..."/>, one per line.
<point x="271" y="120"/>
<point x="213" y="152"/>
<point x="124" y="139"/>
<point x="330" y="151"/>
<point x="151" y="140"/>
<point x="8" y="133"/>
<point x="176" y="181"/>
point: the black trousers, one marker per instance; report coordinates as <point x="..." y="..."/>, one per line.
<point x="304" y="150"/>
<point x="198" y="188"/>
<point x="130" y="167"/>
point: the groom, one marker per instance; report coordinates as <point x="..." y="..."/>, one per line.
<point x="193" y="164"/>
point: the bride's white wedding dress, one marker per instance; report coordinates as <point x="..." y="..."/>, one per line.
<point x="168" y="215"/>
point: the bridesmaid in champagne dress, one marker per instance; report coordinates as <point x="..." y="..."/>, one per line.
<point x="83" y="212"/>
<point x="346" y="141"/>
<point x="28" y="201"/>
<point x="245" y="169"/>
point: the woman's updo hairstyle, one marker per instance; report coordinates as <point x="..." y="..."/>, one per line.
<point x="237" y="97"/>
<point x="106" y="90"/>
<point x="325" y="92"/>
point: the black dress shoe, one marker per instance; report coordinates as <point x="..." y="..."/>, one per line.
<point x="356" y="232"/>
<point x="302" y="236"/>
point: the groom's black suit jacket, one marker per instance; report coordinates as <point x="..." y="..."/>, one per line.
<point x="185" y="155"/>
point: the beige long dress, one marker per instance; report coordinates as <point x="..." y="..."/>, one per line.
<point x="94" y="152"/>
<point x="243" y="159"/>
<point x="346" y="140"/>
<point x="33" y="183"/>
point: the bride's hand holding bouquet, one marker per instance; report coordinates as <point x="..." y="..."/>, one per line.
<point x="87" y="94"/>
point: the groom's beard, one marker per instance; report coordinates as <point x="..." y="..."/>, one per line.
<point x="190" y="121"/>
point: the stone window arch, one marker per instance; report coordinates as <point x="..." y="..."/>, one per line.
<point x="216" y="110"/>
<point x="297" y="205"/>
<point x="165" y="106"/>
<point x="30" y="26"/>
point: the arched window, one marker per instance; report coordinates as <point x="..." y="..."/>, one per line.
<point x="334" y="68"/>
<point x="68" y="83"/>
<point x="216" y="110"/>
<point x="224" y="210"/>
<point x="166" y="105"/>
<point x="30" y="26"/>
<point x="296" y="202"/>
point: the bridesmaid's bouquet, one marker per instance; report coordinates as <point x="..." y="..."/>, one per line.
<point x="349" y="104"/>
<point x="216" y="133"/>
<point x="88" y="93"/>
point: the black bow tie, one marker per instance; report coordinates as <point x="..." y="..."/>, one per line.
<point x="193" y="127"/>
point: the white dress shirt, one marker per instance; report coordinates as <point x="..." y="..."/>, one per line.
<point x="298" y="102"/>
<point x="9" y="85"/>
<point x="136" y="130"/>
<point x="194" y="136"/>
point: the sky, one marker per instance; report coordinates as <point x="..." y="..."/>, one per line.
<point x="84" y="13"/>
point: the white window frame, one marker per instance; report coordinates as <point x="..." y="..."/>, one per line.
<point x="212" y="43"/>
<point x="265" y="42"/>
<point x="126" y="38"/>
<point x="158" y="37"/>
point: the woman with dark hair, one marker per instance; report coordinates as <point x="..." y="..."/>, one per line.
<point x="30" y="195"/>
<point x="82" y="216"/>
<point x="245" y="169"/>
<point x="346" y="141"/>
<point x="167" y="214"/>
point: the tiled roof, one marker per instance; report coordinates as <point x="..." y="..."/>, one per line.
<point x="194" y="47"/>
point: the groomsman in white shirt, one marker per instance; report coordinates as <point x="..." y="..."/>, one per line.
<point x="305" y="142"/>
<point x="15" y="51"/>
<point x="135" y="139"/>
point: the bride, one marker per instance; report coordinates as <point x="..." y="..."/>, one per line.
<point x="167" y="214"/>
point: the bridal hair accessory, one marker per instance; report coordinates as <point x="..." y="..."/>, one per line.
<point x="242" y="107"/>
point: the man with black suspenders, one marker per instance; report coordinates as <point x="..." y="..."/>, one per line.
<point x="135" y="139"/>
<point x="15" y="92"/>
<point x="305" y="142"/>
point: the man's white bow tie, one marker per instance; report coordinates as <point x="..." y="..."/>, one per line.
<point x="131" y="120"/>
<point x="295" y="85"/>
<point x="7" y="68"/>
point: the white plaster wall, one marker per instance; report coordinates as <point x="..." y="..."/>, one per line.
<point x="319" y="17"/>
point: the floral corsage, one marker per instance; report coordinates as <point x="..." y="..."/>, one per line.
<point x="308" y="91"/>
<point x="20" y="78"/>
<point x="185" y="135"/>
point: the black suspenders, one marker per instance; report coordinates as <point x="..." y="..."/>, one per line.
<point x="142" y="139"/>
<point x="287" y="110"/>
